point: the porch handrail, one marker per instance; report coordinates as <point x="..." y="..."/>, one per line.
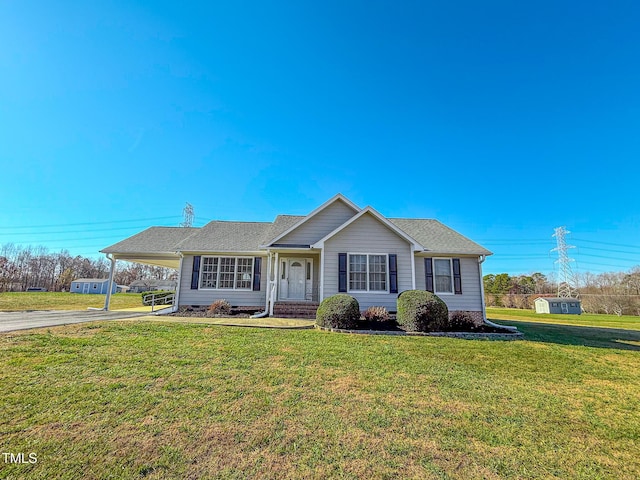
<point x="159" y="299"/>
<point x="272" y="296"/>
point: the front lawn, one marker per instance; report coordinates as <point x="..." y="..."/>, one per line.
<point x="17" y="301"/>
<point x="161" y="400"/>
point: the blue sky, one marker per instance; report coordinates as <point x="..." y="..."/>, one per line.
<point x="501" y="119"/>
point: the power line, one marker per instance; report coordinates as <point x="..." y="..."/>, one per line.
<point x="91" y="223"/>
<point x="75" y="231"/>
<point x="607" y="243"/>
<point x="608" y="250"/>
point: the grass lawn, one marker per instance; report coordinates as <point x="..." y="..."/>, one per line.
<point x="161" y="400"/>
<point x="16" y="301"/>
<point x="584" y="320"/>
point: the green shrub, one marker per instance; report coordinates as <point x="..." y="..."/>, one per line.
<point x="376" y="314"/>
<point x="338" y="311"/>
<point x="160" y="297"/>
<point x="219" y="307"/>
<point x="460" y="321"/>
<point x="422" y="311"/>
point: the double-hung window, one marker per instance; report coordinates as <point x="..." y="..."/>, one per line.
<point x="443" y="275"/>
<point x="368" y="272"/>
<point x="226" y="273"/>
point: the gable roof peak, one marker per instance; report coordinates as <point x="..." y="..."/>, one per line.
<point x="369" y="210"/>
<point x="331" y="201"/>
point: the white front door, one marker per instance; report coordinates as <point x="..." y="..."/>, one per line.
<point x="296" y="279"/>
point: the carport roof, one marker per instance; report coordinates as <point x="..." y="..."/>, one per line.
<point x="153" y="246"/>
<point x="153" y="240"/>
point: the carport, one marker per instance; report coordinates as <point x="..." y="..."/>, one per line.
<point x="157" y="246"/>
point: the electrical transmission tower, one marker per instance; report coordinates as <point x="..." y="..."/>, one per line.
<point x="187" y="213"/>
<point x="567" y="285"/>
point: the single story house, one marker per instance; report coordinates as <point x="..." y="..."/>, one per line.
<point x="146" y="285"/>
<point x="297" y="261"/>
<point x="558" y="305"/>
<point x="92" y="285"/>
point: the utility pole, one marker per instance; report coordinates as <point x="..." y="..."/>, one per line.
<point x="567" y="285"/>
<point x="187" y="213"/>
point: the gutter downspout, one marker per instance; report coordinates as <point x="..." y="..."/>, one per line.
<point x="268" y="289"/>
<point x="107" y="300"/>
<point x="412" y="256"/>
<point x="481" y="260"/>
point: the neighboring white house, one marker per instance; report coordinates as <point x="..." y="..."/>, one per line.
<point x="92" y="285"/>
<point x="338" y="247"/>
<point x="558" y="305"/>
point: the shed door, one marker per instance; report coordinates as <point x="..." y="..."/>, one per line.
<point x="565" y="307"/>
<point x="85" y="288"/>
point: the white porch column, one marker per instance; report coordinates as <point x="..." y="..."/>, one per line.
<point x="321" y="289"/>
<point x="481" y="260"/>
<point x="269" y="269"/>
<point x="276" y="275"/>
<point x="176" y="300"/>
<point x="112" y="270"/>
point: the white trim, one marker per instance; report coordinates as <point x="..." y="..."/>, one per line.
<point x="370" y="210"/>
<point x="178" y="285"/>
<point x="481" y="260"/>
<point x="413" y="270"/>
<point x="268" y="282"/>
<point x="235" y="272"/>
<point x="112" y="270"/>
<point x="321" y="290"/>
<point x="217" y="253"/>
<point x="287" y="271"/>
<point x="368" y="290"/>
<point x="276" y="274"/>
<point x="333" y="199"/>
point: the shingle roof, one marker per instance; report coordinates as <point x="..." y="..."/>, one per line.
<point x="279" y="225"/>
<point x="91" y="280"/>
<point x="438" y="238"/>
<point x="220" y="236"/>
<point x="152" y="240"/>
<point x="223" y="236"/>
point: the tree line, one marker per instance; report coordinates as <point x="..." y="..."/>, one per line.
<point x="611" y="292"/>
<point x="25" y="267"/>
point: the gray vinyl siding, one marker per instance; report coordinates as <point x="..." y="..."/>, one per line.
<point x="367" y="235"/>
<point x="471" y="299"/>
<point x="246" y="298"/>
<point x="320" y="225"/>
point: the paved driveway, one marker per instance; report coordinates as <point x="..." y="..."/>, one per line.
<point x="48" y="318"/>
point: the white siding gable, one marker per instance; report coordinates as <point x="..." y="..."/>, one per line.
<point x="320" y="225"/>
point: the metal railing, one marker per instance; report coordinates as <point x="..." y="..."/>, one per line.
<point x="154" y="299"/>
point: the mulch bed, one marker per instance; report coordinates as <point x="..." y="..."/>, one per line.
<point x="366" y="325"/>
